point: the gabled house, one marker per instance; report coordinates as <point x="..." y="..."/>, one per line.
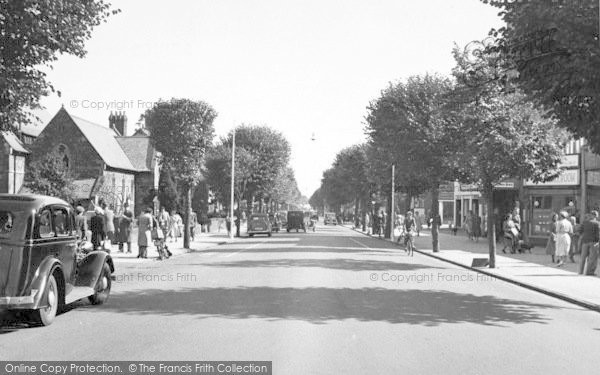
<point x="107" y="165"/>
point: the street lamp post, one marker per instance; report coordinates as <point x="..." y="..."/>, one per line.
<point x="392" y="216"/>
<point x="232" y="223"/>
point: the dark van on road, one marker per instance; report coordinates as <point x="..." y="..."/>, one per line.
<point x="43" y="267"/>
<point x="295" y="220"/>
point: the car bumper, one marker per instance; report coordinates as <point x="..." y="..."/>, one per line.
<point x="21" y="302"/>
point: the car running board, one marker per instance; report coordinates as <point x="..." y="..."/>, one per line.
<point x="78" y="293"/>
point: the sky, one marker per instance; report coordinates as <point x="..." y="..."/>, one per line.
<point x="302" y="67"/>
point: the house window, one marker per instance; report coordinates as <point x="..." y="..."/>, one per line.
<point x="63" y="151"/>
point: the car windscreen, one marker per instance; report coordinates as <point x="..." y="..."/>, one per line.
<point x="13" y="224"/>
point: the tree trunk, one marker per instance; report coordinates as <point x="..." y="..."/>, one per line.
<point x="388" y="223"/>
<point x="187" y="201"/>
<point x="408" y="201"/>
<point x="238" y="221"/>
<point x="356" y="211"/>
<point x="435" y="213"/>
<point x="364" y="215"/>
<point x="491" y="223"/>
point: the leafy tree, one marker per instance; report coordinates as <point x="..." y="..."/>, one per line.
<point x="284" y="189"/>
<point x="553" y="45"/>
<point x="50" y="176"/>
<point x="32" y="36"/>
<point x="217" y="170"/>
<point x="508" y="136"/>
<point x="316" y="200"/>
<point x="181" y="130"/>
<point x="270" y="150"/>
<point x="408" y="127"/>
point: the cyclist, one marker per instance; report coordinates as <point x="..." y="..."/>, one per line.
<point x="410" y="226"/>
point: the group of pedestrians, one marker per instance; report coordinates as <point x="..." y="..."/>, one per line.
<point x="107" y="228"/>
<point x="473" y="226"/>
<point x="567" y="239"/>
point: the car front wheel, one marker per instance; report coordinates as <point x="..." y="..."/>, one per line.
<point x="45" y="316"/>
<point x="103" y="285"/>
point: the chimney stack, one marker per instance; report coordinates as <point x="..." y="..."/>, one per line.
<point x="118" y="122"/>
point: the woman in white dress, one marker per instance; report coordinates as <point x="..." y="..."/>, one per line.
<point x="564" y="229"/>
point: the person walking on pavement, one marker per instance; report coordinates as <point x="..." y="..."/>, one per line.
<point x="590" y="239"/>
<point x="476" y="229"/>
<point x="563" y="238"/>
<point x="575" y="239"/>
<point x="551" y="244"/>
<point x="109" y="226"/>
<point x="192" y="224"/>
<point x="510" y="235"/>
<point x="81" y="223"/>
<point x="173" y="227"/>
<point x="97" y="228"/>
<point x="469" y="225"/>
<point x="144" y="232"/>
<point x="163" y="221"/>
<point x="418" y="223"/>
<point x="125" y="230"/>
<point x="228" y="224"/>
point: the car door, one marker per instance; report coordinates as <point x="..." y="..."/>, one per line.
<point x="65" y="244"/>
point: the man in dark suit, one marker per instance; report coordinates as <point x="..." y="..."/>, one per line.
<point x="590" y="239"/>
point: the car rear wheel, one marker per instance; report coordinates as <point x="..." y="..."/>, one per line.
<point x="45" y="316"/>
<point x="103" y="285"/>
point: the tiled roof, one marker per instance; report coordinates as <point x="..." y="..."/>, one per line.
<point x="36" y="126"/>
<point x="103" y="140"/>
<point x="139" y="150"/>
<point x="13" y="142"/>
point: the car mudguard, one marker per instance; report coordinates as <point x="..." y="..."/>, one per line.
<point x="89" y="268"/>
<point x="40" y="280"/>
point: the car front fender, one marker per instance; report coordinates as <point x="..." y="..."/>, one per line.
<point x="90" y="267"/>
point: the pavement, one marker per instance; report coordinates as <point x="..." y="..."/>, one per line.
<point x="202" y="241"/>
<point x="533" y="270"/>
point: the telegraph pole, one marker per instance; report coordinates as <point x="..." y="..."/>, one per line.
<point x="232" y="223"/>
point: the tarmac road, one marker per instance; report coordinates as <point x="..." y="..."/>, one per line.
<point x="330" y="302"/>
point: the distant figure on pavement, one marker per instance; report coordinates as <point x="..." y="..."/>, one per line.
<point x="418" y="223"/>
<point x="192" y="224"/>
<point x="81" y="223"/>
<point x="551" y="244"/>
<point x="163" y="221"/>
<point x="97" y="227"/>
<point x="125" y="230"/>
<point x="144" y="232"/>
<point x="563" y="238"/>
<point x="109" y="225"/>
<point x="469" y="225"/>
<point x="476" y="229"/>
<point x="590" y="241"/>
<point x="574" y="249"/>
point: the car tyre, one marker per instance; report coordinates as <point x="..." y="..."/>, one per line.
<point x="45" y="316"/>
<point x="270" y="234"/>
<point x="251" y="235"/>
<point x="102" y="288"/>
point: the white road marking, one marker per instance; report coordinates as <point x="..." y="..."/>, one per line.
<point x="248" y="248"/>
<point x="360" y="243"/>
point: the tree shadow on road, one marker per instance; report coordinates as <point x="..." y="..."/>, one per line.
<point x="325" y="305"/>
<point x="338" y="264"/>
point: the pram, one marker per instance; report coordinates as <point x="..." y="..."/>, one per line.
<point x="162" y="248"/>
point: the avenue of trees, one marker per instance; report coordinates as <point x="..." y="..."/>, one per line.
<point x="479" y="126"/>
<point x="262" y="171"/>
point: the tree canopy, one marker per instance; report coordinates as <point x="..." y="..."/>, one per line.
<point x="555" y="49"/>
<point x="50" y="176"/>
<point x="32" y="36"/>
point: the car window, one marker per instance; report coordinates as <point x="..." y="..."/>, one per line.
<point x="45" y="224"/>
<point x="62" y="222"/>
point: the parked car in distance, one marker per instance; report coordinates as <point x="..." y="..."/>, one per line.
<point x="295" y="220"/>
<point x="259" y="224"/>
<point x="43" y="265"/>
<point x="330" y="218"/>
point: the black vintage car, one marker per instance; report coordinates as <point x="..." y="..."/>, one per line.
<point x="43" y="267"/>
<point x="295" y="220"/>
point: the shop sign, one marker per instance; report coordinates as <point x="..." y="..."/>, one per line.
<point x="567" y="177"/>
<point x="446" y="192"/>
<point x="569" y="161"/>
<point x="469" y="187"/>
<point x="593" y="178"/>
<point x="505" y="185"/>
